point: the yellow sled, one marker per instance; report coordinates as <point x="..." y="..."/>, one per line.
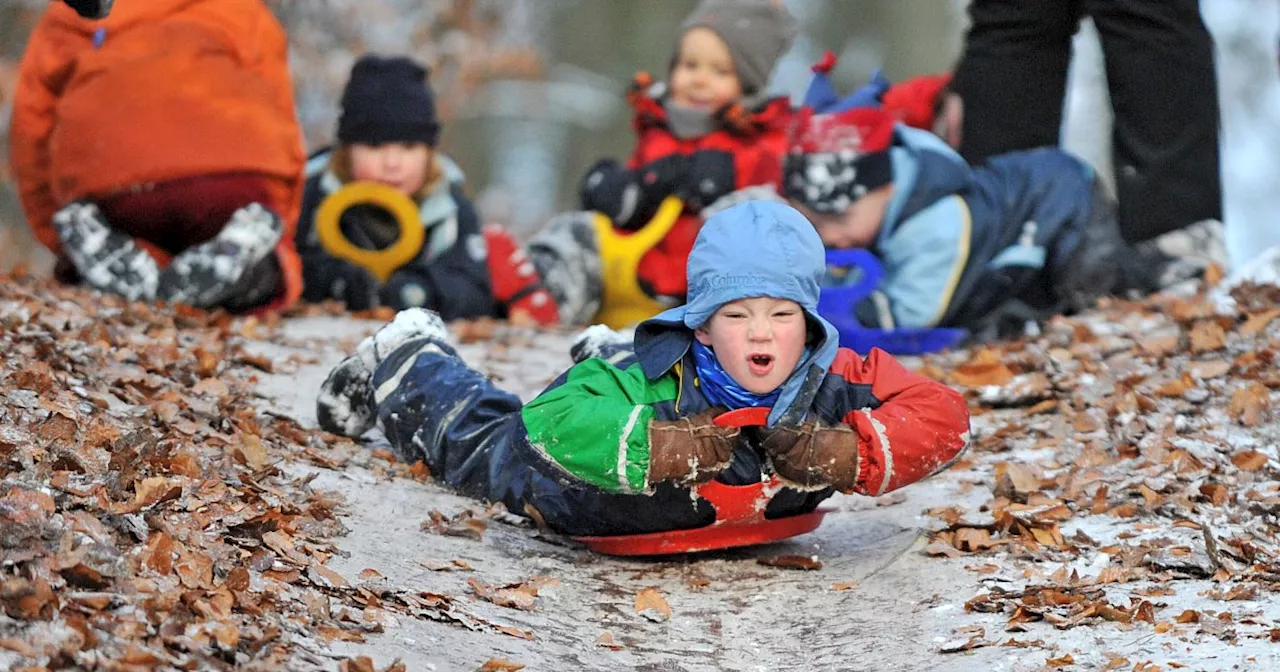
<point x="624" y="303"/>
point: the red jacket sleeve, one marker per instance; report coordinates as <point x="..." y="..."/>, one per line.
<point x="920" y="428"/>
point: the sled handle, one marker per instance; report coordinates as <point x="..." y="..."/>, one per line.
<point x="841" y="299"/>
<point x="624" y="303"/>
<point x="752" y="416"/>
<point x="381" y="263"/>
<point x="739" y="503"/>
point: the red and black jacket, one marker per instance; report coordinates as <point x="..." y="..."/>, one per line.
<point x="744" y="149"/>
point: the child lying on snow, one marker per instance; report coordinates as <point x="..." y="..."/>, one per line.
<point x="1023" y="237"/>
<point x="613" y="445"/>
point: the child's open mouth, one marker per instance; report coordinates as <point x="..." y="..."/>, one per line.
<point x="760" y="364"/>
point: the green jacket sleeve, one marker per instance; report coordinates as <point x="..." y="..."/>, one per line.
<point x="595" y="425"/>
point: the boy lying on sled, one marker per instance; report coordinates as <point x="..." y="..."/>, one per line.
<point x="614" y="445"/>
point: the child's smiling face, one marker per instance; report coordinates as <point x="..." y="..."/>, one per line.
<point x="703" y="76"/>
<point x="402" y="165"/>
<point x="758" y="341"/>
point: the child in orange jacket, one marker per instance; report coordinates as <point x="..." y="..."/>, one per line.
<point x="157" y="152"/>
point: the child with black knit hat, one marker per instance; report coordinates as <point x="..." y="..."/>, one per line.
<point x="709" y="130"/>
<point x="1025" y="236"/>
<point x="387" y="133"/>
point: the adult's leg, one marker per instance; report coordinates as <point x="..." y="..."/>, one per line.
<point x="1012" y="74"/>
<point x="1160" y="70"/>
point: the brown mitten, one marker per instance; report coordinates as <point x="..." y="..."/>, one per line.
<point x="691" y="449"/>
<point x="812" y="455"/>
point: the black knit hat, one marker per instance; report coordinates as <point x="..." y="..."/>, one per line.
<point x="387" y="99"/>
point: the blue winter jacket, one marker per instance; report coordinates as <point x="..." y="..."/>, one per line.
<point x="957" y="242"/>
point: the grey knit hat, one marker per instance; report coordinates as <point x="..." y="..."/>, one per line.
<point x="757" y="32"/>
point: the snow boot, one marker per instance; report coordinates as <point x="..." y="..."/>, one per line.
<point x="208" y="274"/>
<point x="106" y="259"/>
<point x="346" y="403"/>
<point x="1187" y="252"/>
<point x="567" y="258"/>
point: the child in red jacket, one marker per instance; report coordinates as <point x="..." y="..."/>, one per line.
<point x="708" y="131"/>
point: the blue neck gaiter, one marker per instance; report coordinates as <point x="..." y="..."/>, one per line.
<point x="720" y="388"/>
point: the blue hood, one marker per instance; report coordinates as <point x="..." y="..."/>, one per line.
<point x="756" y="248"/>
<point x="925" y="171"/>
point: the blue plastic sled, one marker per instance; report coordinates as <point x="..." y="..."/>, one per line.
<point x="837" y="303"/>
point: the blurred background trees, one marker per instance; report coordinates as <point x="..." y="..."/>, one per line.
<point x="530" y="91"/>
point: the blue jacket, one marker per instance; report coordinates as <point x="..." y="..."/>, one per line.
<point x="957" y="242"/>
<point x="450" y="274"/>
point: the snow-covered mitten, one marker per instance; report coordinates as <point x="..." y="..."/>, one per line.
<point x="599" y="340"/>
<point x="691" y="449"/>
<point x="567" y="257"/>
<point x="711" y="176"/>
<point x="812" y="456"/>
<point x="106" y="259"/>
<point x="346" y="405"/>
<point x="206" y="275"/>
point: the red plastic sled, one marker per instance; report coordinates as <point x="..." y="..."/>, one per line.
<point x="739" y="519"/>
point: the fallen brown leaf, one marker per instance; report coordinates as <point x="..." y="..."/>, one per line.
<point x="1207" y="336"/>
<point x="650" y="604"/>
<point x="252" y="452"/>
<point x="1250" y="404"/>
<point x="984" y="368"/>
<point x="327" y="577"/>
<point x="514" y="596"/>
<point x="1250" y="460"/>
<point x="500" y="665"/>
<point x="606" y="641"/>
<point x="1259" y="321"/>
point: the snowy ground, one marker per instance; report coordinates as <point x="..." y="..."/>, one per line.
<point x="884" y="598"/>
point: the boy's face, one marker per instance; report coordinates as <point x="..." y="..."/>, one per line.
<point x="759" y="341"/>
<point x="704" y="77"/>
<point x="402" y="165"/>
<point x="857" y="226"/>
